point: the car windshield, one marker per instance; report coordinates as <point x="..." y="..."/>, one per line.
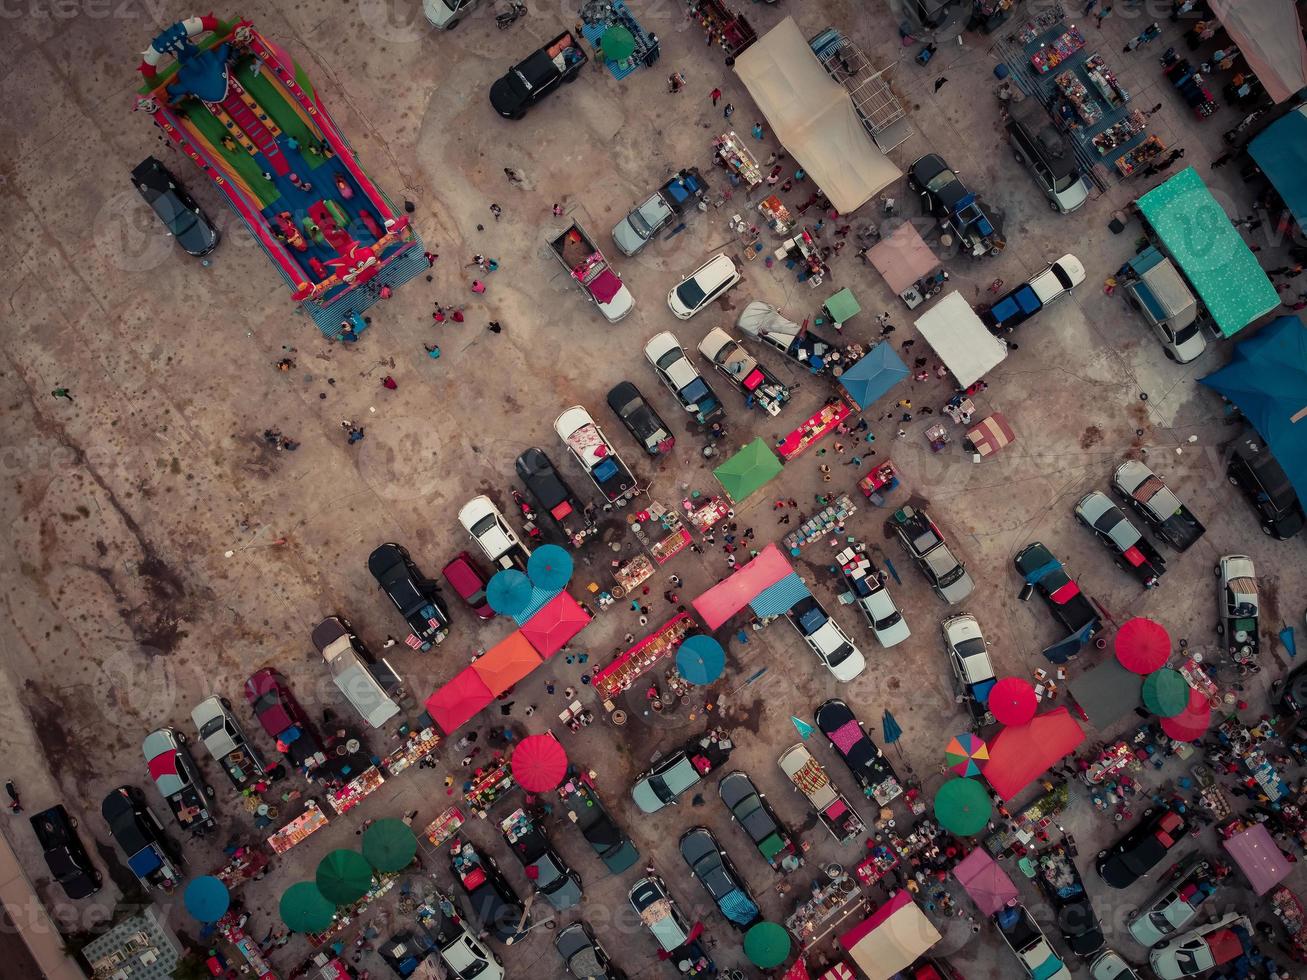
<point x="660" y="789"/>
<point x="840" y="654"/>
<point x="973" y="647"/>
<point x="628" y="411"/>
<point x="637" y="222"/>
<point x="1063" y="184"/>
<point x="670" y="358"/>
<point x="888" y="621"/>
<point x="940" y="181"/>
<point x="1062" y="278"/>
<point x="1186" y="334"/>
<point x="690" y="294"/>
<point x="484" y="525"/>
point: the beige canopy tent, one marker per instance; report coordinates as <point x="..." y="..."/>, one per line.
<point x="813" y="117"/>
<point x="961" y="339"/>
<point x="1269" y="35"/>
<point x="893" y="937"/>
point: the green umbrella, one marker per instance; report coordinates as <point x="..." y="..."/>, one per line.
<point x="617" y="43"/>
<point x="963" y="806"/>
<point x="344" y="876"/>
<point x="303" y="908"/>
<point x="1165" y="692"/>
<point x="389" y="845"/>
<point x="767" y="945"/>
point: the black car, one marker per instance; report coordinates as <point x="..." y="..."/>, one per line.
<point x="1159" y="831"/>
<point x="415" y="596"/>
<point x="1059" y="879"/>
<point x="551" y="491"/>
<point x="709" y="863"/>
<point x="542" y="71"/>
<point x="750" y="810"/>
<point x="584" y="957"/>
<point x="597" y="826"/>
<point x="640" y="419"/>
<point x="864" y="758"/>
<point x="1253" y="469"/>
<point x="948" y="199"/>
<point x="64" y="853"/>
<point x="1069" y="606"/>
<point x="151" y="855"/>
<point x="494" y="903"/>
<point x="175" y="208"/>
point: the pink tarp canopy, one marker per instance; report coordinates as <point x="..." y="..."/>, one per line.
<point x="560" y="619"/>
<point x="988" y="884"/>
<point x="458" y="700"/>
<point x="507" y="662"/>
<point x="725" y="599"/>
<point x="891" y="939"/>
<point x="1019" y="754"/>
<point x="902" y="258"/>
<point x="1269" y="35"/>
<point x="1258" y="857"/>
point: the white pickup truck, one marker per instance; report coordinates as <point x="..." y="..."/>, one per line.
<point x="808" y="776"/>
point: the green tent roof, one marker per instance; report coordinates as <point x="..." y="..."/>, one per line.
<point x="843" y="306"/>
<point x="1198" y="235"/>
<point x="767" y="945"/>
<point x="303" y="908"/>
<point x="746" y="471"/>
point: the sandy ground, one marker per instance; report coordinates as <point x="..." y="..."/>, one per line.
<point x="122" y="608"/>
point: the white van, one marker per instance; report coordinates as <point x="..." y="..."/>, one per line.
<point x="367" y="684"/>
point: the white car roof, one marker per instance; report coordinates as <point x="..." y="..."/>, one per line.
<point x="879" y="604"/>
<point x="570" y="420"/>
<point x="681" y="371"/>
<point x="715" y="271"/>
<point x="219" y="743"/>
<point x="474" y="510"/>
<point x="828" y="637"/>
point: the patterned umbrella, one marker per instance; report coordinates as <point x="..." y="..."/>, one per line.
<point x="964" y="754"/>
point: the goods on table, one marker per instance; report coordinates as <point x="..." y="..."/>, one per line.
<point x="827" y="906"/>
<point x="777" y="214"/>
<point x="488" y="787"/>
<point x="882" y="479"/>
<point x="517" y="825"/>
<point x="245" y="863"/>
<point x="927" y="846"/>
<point x="1119" y="133"/>
<point x="821" y="523"/>
<point x="818" y="424"/>
<point x="1105" y="81"/>
<point x="307" y="823"/>
<point x="1086" y="106"/>
<point x="728" y="29"/>
<point x="633" y="574"/>
<point x="1049" y="56"/>
<point x="350" y="795"/>
<point x="880" y="861"/>
<point x="623" y="671"/>
<point x="1041" y="22"/>
<point x="1141" y="156"/>
<point x="1189" y="83"/>
<point x="735" y="155"/>
<point x="672" y="545"/>
<point x="1288" y="910"/>
<point x="706" y="514"/>
<point x="1211" y="796"/>
<point x="346" y="916"/>
<point x="444" y="826"/>
<point x="418" y="746"/>
<point x="1112" y="760"/>
<point x="1030" y="822"/>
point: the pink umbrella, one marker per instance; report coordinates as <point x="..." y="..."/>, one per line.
<point x="539" y="763"/>
<point x="1142" y="646"/>
<point x="1013" y="701"/>
<point x="1190" y="724"/>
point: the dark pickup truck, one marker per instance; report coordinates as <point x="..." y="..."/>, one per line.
<point x="1069" y="606"/>
<point x="536" y="75"/>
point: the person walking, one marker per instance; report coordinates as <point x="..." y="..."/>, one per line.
<point x="62" y="393"/>
<point x="1102" y="15"/>
<point x="433" y="351"/>
<point x="715" y="95"/>
<point x="757" y="131"/>
<point x="494" y="326"/>
<point x="496" y="210"/>
<point x="478" y="286"/>
<point x="1149" y="112"/>
<point x="727" y="111"/>
<point x="514" y="176"/>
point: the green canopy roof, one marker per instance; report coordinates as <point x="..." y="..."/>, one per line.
<point x="389" y="845"/>
<point x="746" y="471"/>
<point x="303" y="908"/>
<point x="842" y="306"/>
<point x="767" y="945"/>
<point x="963" y="806"/>
<point x="1198" y="235"/>
<point x="344" y="876"/>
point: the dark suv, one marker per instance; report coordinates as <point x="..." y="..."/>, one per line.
<point x="413" y="594"/>
<point x="1256" y="472"/>
<point x="64" y="852"/>
<point x="174" y="207"/>
<point x="1048" y="155"/>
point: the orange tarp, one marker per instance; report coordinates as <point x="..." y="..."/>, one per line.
<point x="506" y="663"/>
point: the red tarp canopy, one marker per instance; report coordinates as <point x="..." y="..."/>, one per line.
<point x="539" y="763"/>
<point x="725" y="599"/>
<point x="1142" y="645"/>
<point x="560" y="619"/>
<point x="506" y="663"/>
<point x="458" y="700"/>
<point x="1020" y="754"/>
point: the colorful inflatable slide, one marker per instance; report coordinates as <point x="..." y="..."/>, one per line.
<point x="247" y="115"/>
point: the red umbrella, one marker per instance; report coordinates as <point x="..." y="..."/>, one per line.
<point x="539" y="763"/>
<point x="1190" y="724"/>
<point x="1013" y="701"/>
<point x="1142" y="646"/>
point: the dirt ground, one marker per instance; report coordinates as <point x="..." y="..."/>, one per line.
<point x="157" y="550"/>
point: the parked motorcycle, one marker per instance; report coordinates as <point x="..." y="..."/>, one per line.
<point x="15" y="804"/>
<point x="505" y="18"/>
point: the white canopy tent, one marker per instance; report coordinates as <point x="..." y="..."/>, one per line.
<point x="814" y="118"/>
<point x="962" y="342"/>
<point x="1269" y="35"/>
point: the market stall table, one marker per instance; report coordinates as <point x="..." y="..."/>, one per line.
<point x="737" y="158"/>
<point x="1105" y="81"/>
<point x="1074" y="91"/>
<point x="307" y="823"/>
<point x="1140" y="156"/>
<point x="883" y="478"/>
<point x="619" y="675"/>
<point x="246" y="864"/>
<point x="706" y="514"/>
<point x="353" y="793"/>
<point x="631" y="575"/>
<point x="725" y="27"/>
<point x="1050" y="55"/>
<point x="801" y="250"/>
<point x="444" y="826"/>
<point x="417" y="747"/>
<point x="830" y="519"/>
<point x="348" y="915"/>
<point x="817" y="425"/>
<point x="776" y="214"/>
<point x="881" y="859"/>
<point x="828" y="904"/>
<point x="1120" y="133"/>
<point x="1289" y="911"/>
<point x="488" y="787"/>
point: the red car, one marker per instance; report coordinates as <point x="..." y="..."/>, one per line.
<point x="282" y="717"/>
<point x="469" y="582"/>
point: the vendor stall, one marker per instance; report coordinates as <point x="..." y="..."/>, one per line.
<point x="306" y="824"/>
<point x="347" y="916"/>
<point x="961" y="339"/>
<point x="1128" y="164"/>
<point x="1030" y="824"/>
<point x="670" y="546"/>
<point x="1074" y="92"/>
<point x="891" y="939"/>
<point x="723" y="26"/>
<point x="1255" y="852"/>
<point x="829" y="520"/>
<point x="347" y="797"/>
<point x="883" y="478"/>
<point x="776" y="214"/>
<point x="828" y="904"/>
<point x="800" y="253"/>
<point x="989" y="435"/>
<point x="631" y="575"/>
<point x="444" y="826"/>
<point x="1117" y="135"/>
<point x="881" y="859"/>
<point x="737" y="159"/>
<point x="619" y="675"/>
<point x="907" y="265"/>
<point x="1104" y="81"/>
<point x="817" y="425"/>
<point x="1289" y="911"/>
<point x="1052" y="54"/>
<point x="598" y="19"/>
<point x="985" y="882"/>
<point x="416" y="747"/>
<point x="489" y="787"/>
<point x="706" y="512"/>
<point x="246" y="864"/>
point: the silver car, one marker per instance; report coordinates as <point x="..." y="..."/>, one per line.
<point x="665" y="782"/>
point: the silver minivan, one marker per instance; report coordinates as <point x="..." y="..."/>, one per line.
<point x="370" y="685"/>
<point x="1047" y="154"/>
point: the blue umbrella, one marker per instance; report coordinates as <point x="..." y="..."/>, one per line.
<point x="700" y="659"/>
<point x="890" y="728"/>
<point x="207" y="899"/>
<point x="804" y="728"/>
<point x="509" y="592"/>
<point x="549" y="567"/>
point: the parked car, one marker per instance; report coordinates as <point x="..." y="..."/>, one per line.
<point x="483" y="521"/>
<point x="744" y="371"/>
<point x="848" y="737"/>
<point x="750" y="810"/>
<point x="640" y="419"/>
<point x="1159" y="831"/>
<point x="1253" y="469"/>
<point x="1130" y="549"/>
<point x="587" y="811"/>
<point x="702" y="286"/>
<point x="538" y="74"/>
<point x="1070" y="607"/>
<point x="667" y="780"/>
<point x="151" y="856"/>
<point x="582" y="955"/>
<point x="64" y="853"/>
<point x="282" y="718"/>
<point x="872" y="598"/>
<point x="713" y="869"/>
<point x="174" y="207"/>
<point x="1205" y="948"/>
<point x="369" y="684"/>
<point x="545" y="868"/>
<point x="226" y="741"/>
<point x="1030" y="946"/>
<point x="1018" y="305"/>
<point x="924" y="542"/>
<point x="494" y="903"/>
<point x="179" y="780"/>
<point x="1046" y="153"/>
<point x="947" y="198"/>
<point x="1186" y="886"/>
<point x="973" y="673"/>
<point x="1108" y="965"/>
<point x="641" y="223"/>
<point x="596" y="455"/>
<point x="469" y="582"/>
<point x="1059" y="879"/>
<point x="1236" y="587"/>
<point x="587" y="267"/>
<point x="447" y="14"/>
<point x="1153" y="285"/>
<point x="1154" y="501"/>
<point x="554" y="496"/>
<point x="414" y="595"/>
<point x="825" y="638"/>
<point x="682" y="378"/>
<point x="654" y="905"/>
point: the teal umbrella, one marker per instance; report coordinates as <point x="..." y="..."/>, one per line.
<point x="344" y="876"/>
<point x="207" y="898"/>
<point x="303" y="908"/>
<point x="963" y="806"/>
<point x="804" y="728"/>
<point x="767" y="945"/>
<point x="549" y="568"/>
<point x="889" y="728"/>
<point x="700" y="659"/>
<point x="509" y="592"/>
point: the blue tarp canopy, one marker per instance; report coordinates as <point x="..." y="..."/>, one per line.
<point x="875" y="374"/>
<point x="779" y="598"/>
<point x="1267" y="379"/>
<point x="1281" y="151"/>
<point x="738" y="907"/>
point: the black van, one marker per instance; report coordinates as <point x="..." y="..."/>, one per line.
<point x="1047" y="154"/>
<point x="1254" y="470"/>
